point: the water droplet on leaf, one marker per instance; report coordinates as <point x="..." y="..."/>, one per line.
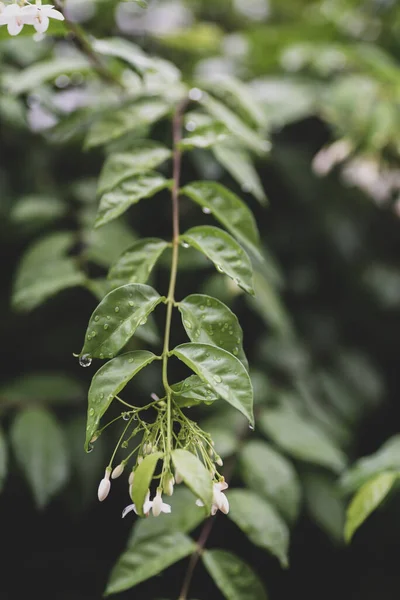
<point x="85" y="360"/>
<point x="217" y="378"/>
<point x="97" y="318"/>
<point x="206" y="210"/>
<point x="116" y="309"/>
<point x="125" y="416"/>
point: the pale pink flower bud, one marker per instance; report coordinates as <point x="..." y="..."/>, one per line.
<point x="104" y="486"/>
<point x="118" y="471"/>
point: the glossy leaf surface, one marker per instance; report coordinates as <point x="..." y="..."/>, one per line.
<point x="143" y="476"/>
<point x="192" y="391"/>
<point x="136" y="264"/>
<point x="194" y="475"/>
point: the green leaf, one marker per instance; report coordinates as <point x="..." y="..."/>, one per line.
<point x="39" y="446"/>
<point x="226" y="254"/>
<point x="206" y="136"/>
<point x="129" y="192"/>
<point x="271" y="475"/>
<point x="237" y="161"/>
<point x="117" y="317"/>
<point x="234" y="577"/>
<point x="367" y="499"/>
<point x="387" y="458"/>
<point x="209" y="321"/>
<point x="260" y="522"/>
<point x="45" y="270"/>
<point x="56" y="388"/>
<point x="147" y="559"/>
<point x="105" y="245"/>
<point x="109" y="381"/>
<point x="136" y="263"/>
<point x="143" y="476"/>
<point x="40" y="72"/>
<point x="324" y="503"/>
<point x="267" y="303"/>
<point x="125" y="50"/>
<point x="191" y="392"/>
<point x="301" y="439"/>
<point x="228" y="209"/>
<point x="124" y="120"/>
<point x="33" y="212"/>
<point x="195" y="475"/>
<point x="248" y="137"/>
<point x="3" y="459"/>
<point x="143" y="156"/>
<point x="222" y="371"/>
<point x="184" y="517"/>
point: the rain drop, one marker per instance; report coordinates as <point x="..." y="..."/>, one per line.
<point x="85" y="360"/>
<point x="108" y="317"/>
<point x="131" y="303"/>
<point x="185" y="245"/>
<point x="125" y="416"/>
<point x="235" y="351"/>
<point x="143" y="321"/>
<point x="206" y="210"/>
<point x="91" y="412"/>
<point x="217" y="378"/>
<point x="202" y="307"/>
<point x="97" y="318"/>
<point x="219" y="268"/>
<point x="116" y="309"/>
<point x="187" y="324"/>
<point x="90" y="448"/>
<point x="251" y="427"/>
<point x="105" y="326"/>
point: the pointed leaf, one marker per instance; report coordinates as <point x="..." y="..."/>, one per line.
<point x="136" y="263"/>
<point x="115" y="203"/>
<point x="224" y="252"/>
<point x="237" y="161"/>
<point x="195" y="475"/>
<point x="39" y="446"/>
<point x="117" y="317"/>
<point x="184" y="517"/>
<point x="144" y="156"/>
<point x="234" y="577"/>
<point x="205" y="136"/>
<point x="55" y="388"/>
<point x="272" y="476"/>
<point x="222" y="371"/>
<point x="3" y="459"/>
<point x="235" y="125"/>
<point x="324" y="503"/>
<point x="124" y="49"/>
<point x="302" y="439"/>
<point x="366" y="500"/>
<point x="143" y="476"/>
<point x="209" y="321"/>
<point x="228" y="209"/>
<point x="147" y="559"/>
<point x="257" y="518"/>
<point x="192" y="391"/>
<point x="126" y="119"/>
<point x="109" y="381"/>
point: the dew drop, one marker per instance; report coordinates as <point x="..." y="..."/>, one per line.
<point x="108" y="317"/>
<point x="217" y="378"/>
<point x="235" y="351"/>
<point x="251" y="427"/>
<point x="220" y="269"/>
<point x="90" y="448"/>
<point x="94" y="334"/>
<point x="206" y="210"/>
<point x="91" y="412"/>
<point x="185" y="245"/>
<point x="97" y="318"/>
<point x="131" y="360"/>
<point x="202" y="307"/>
<point x="116" y="309"/>
<point x="85" y="360"/>
<point x="131" y="303"/>
<point x="125" y="416"/>
<point x="101" y="355"/>
<point x="101" y="396"/>
<point x="105" y="326"/>
<point x="187" y="324"/>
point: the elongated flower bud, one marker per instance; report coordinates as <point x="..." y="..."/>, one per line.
<point x="219" y="461"/>
<point x="104" y="486"/>
<point x="131" y="477"/>
<point x="178" y="477"/>
<point x="118" y="471"/>
<point x="168" y="484"/>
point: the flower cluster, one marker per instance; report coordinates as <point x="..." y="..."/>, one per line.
<point x="16" y="16"/>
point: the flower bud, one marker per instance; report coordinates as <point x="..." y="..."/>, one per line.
<point x="157" y="503"/>
<point x="168" y="484"/>
<point x="139" y="459"/>
<point x="118" y="471"/>
<point x="219" y="461"/>
<point x="178" y="477"/>
<point x="131" y="477"/>
<point x="223" y="503"/>
<point x="104" y="486"/>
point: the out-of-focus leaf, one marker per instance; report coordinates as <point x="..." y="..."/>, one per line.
<point x="194" y="474"/>
<point x="136" y="264"/>
<point x="223" y="372"/>
<point x="271" y="475"/>
<point x="117" y="317"/>
<point x="367" y="499"/>
<point x="257" y="518"/>
<point x="201" y="38"/>
<point x="268" y="305"/>
<point x="3" y="459"/>
<point x="324" y="503"/>
<point x="226" y="254"/>
<point x="143" y="476"/>
<point x="205" y="137"/>
<point x="235" y="579"/>
<point x="301" y="438"/>
<point x="54" y="388"/>
<point x="37" y="211"/>
<point x="209" y="321"/>
<point x="40" y="449"/>
<point x="145" y="155"/>
<point x="192" y="391"/>
<point x="129" y="192"/>
<point x="105" y="244"/>
<point x="107" y="383"/>
<point x="125" y="50"/>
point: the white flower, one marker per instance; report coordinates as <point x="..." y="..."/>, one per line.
<point x="158" y="505"/>
<point x="104" y="486"/>
<point x="146" y="506"/>
<point x="39" y="16"/>
<point x="219" y="501"/>
<point x="13" y="17"/>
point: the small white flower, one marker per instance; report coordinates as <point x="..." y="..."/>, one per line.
<point x="118" y="471"/>
<point x="39" y="16"/>
<point x="13" y="17"/>
<point x="147" y="505"/>
<point x="158" y="506"/>
<point x="219" y="501"/>
<point x="104" y="486"/>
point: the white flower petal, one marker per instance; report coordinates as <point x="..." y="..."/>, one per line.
<point x="166" y="508"/>
<point x="41" y="24"/>
<point x="104" y="489"/>
<point x="214" y="509"/>
<point x="55" y="14"/>
<point x="128" y="509"/>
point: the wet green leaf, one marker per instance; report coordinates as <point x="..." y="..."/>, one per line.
<point x="143" y="476"/>
<point x="107" y="383"/>
<point x="117" y="317"/>
<point x="124" y="49"/>
<point x="136" y="263"/>
<point x="205" y="136"/>
<point x="40" y="449"/>
<point x="324" y="503"/>
<point x="271" y="475"/>
<point x="192" y="391"/>
<point x="145" y="155"/>
<point x="366" y="500"/>
<point x="301" y="438"/>
<point x="195" y="475"/>
<point x="129" y="192"/>
<point x="3" y="459"/>
<point x="228" y="209"/>
<point x="55" y="388"/>
<point x="234" y="577"/>
<point x="147" y="559"/>
<point x="257" y="518"/>
<point x="226" y="254"/>
<point x="223" y="372"/>
<point x="209" y="321"/>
